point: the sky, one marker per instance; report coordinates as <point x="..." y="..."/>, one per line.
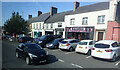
<point x="31" y="8"/>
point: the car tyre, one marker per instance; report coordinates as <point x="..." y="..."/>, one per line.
<point x="70" y="49"/>
<point x="114" y="58"/>
<point x="17" y="55"/>
<point x="89" y="52"/>
<point x="27" y="60"/>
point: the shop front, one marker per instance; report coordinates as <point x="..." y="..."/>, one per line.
<point x="37" y="33"/>
<point x="80" y="33"/>
<point x="59" y="31"/>
<point x="49" y="32"/>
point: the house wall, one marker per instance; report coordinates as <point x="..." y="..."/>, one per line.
<point x="92" y="21"/>
<point x="113" y="31"/>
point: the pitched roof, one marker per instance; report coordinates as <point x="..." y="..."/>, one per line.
<point x="59" y="17"/>
<point x="40" y="18"/>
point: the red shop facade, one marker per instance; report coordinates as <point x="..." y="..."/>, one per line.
<point x="80" y="33"/>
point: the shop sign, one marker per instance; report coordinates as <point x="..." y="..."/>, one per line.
<point x="59" y="29"/>
<point x="79" y="29"/>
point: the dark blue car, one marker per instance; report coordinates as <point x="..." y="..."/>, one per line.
<point x="54" y="44"/>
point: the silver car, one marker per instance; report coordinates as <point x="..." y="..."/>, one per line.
<point x="68" y="44"/>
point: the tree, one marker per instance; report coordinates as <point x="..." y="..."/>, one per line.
<point x="16" y="25"/>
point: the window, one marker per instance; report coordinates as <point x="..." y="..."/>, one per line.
<point x="102" y="45"/>
<point x="51" y="25"/>
<point x="40" y="26"/>
<point x="59" y="24"/>
<point x="72" y="21"/>
<point x="47" y="26"/>
<point x="115" y="44"/>
<point x="36" y="26"/>
<point x="101" y="19"/>
<point x="85" y="20"/>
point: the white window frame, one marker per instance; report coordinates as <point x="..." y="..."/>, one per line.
<point x="72" y="21"/>
<point x="84" y="20"/>
<point x="101" y="19"/>
<point x="40" y="25"/>
<point x="46" y="26"/>
<point x="36" y="26"/>
<point x="59" y="24"/>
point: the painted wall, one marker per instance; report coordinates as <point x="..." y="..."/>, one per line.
<point x="113" y="31"/>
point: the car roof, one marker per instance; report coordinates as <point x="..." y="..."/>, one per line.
<point x="69" y="39"/>
<point x="86" y="40"/>
<point x="106" y="41"/>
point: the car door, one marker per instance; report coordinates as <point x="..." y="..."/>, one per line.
<point x="74" y="43"/>
<point x="116" y="48"/>
<point x="22" y="50"/>
<point x="91" y="44"/>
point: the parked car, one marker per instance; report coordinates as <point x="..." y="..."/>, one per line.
<point x="85" y="46"/>
<point x="54" y="44"/>
<point x="43" y="40"/>
<point x="68" y="44"/>
<point x="31" y="52"/>
<point x="106" y="49"/>
<point x="25" y="39"/>
<point x="11" y="39"/>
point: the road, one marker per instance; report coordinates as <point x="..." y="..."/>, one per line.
<point x="57" y="59"/>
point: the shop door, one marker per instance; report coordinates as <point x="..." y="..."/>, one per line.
<point x="100" y="36"/>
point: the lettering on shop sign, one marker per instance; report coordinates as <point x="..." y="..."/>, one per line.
<point x="79" y="29"/>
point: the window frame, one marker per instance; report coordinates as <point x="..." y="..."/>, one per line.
<point x="101" y="19"/>
<point x="59" y="24"/>
<point x="72" y="21"/>
<point x="84" y="20"/>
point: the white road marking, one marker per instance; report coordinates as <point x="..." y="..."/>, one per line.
<point x="88" y="57"/>
<point x="54" y="50"/>
<point x="77" y="65"/>
<point x="68" y="52"/>
<point x="117" y="63"/>
<point x="61" y="60"/>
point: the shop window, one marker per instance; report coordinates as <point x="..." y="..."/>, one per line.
<point x="59" y="24"/>
<point x="85" y="20"/>
<point x="72" y="21"/>
<point x="101" y="19"/>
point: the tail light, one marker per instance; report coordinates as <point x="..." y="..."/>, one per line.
<point x="21" y="39"/>
<point x="108" y="50"/>
<point x="67" y="44"/>
<point x="93" y="48"/>
<point x="85" y="47"/>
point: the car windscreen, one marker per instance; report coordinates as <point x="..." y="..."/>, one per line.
<point x="83" y="43"/>
<point x="43" y="37"/>
<point x="102" y="46"/>
<point x="33" y="46"/>
<point x="63" y="42"/>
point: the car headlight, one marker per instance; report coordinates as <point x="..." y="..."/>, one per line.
<point x="51" y="45"/>
<point x="40" y="41"/>
<point x="32" y="55"/>
<point x="47" y="53"/>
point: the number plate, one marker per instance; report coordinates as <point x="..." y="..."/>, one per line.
<point x="62" y="45"/>
<point x="80" y="47"/>
<point x="99" y="51"/>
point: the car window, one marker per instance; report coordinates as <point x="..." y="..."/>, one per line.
<point x="102" y="46"/>
<point x="33" y="46"/>
<point x="83" y="43"/>
<point x="115" y="44"/>
<point x="21" y="46"/>
<point x="63" y="42"/>
<point x="72" y="41"/>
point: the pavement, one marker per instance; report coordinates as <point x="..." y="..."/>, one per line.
<point x="57" y="59"/>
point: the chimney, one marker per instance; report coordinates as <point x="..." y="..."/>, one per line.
<point x="76" y="5"/>
<point x="53" y="10"/>
<point x="29" y="16"/>
<point x="39" y="13"/>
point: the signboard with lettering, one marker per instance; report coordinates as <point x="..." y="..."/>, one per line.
<point x="79" y="29"/>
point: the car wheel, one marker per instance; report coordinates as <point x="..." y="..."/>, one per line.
<point x="17" y="55"/>
<point x="114" y="58"/>
<point x="27" y="60"/>
<point x="70" y="49"/>
<point x="89" y="52"/>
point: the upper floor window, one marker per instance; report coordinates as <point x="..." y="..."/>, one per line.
<point x="101" y="19"/>
<point x="36" y="26"/>
<point x="46" y="26"/>
<point x="85" y="20"/>
<point x="51" y="25"/>
<point x="59" y="24"/>
<point x="40" y="25"/>
<point x="72" y="21"/>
